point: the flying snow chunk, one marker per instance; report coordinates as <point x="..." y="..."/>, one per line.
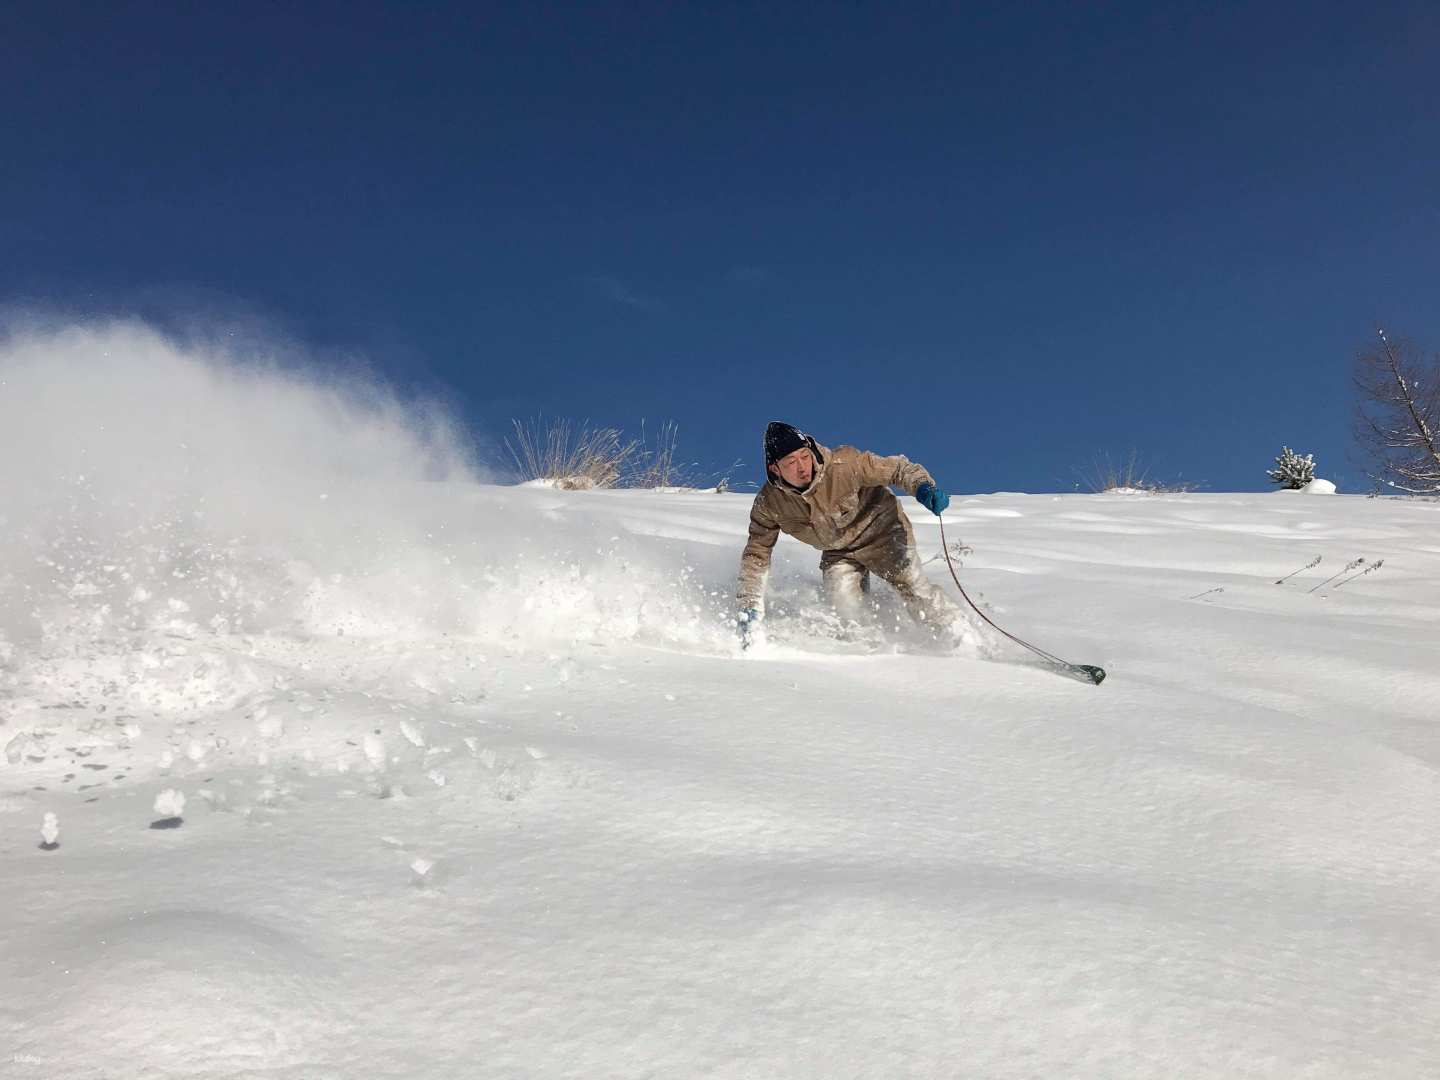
<point x="26" y="745"/>
<point x="170" y="803"/>
<point x="271" y="727"/>
<point x="50" y="832"/>
<point x="375" y="751"/>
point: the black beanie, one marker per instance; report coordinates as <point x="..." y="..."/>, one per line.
<point x="782" y="439"/>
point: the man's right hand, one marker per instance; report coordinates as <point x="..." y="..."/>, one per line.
<point x="749" y="624"/>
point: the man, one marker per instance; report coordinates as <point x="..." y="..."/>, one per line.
<point x="839" y="502"/>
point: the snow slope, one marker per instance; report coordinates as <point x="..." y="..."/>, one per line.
<point x="476" y="783"/>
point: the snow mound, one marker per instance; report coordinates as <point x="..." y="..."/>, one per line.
<point x="192" y="993"/>
<point x="1314" y="487"/>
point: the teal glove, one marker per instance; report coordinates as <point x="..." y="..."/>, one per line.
<point x="932" y="498"/>
<point x="749" y="622"/>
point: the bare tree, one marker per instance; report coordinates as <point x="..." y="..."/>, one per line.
<point x="1397" y="419"/>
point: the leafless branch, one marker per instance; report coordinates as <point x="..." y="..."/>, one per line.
<point x="1397" y="416"/>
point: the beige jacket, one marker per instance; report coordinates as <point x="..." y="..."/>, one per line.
<point x="848" y="507"/>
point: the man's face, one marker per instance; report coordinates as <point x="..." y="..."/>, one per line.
<point x="797" y="467"/>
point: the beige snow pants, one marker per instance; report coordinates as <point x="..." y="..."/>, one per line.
<point x="893" y="559"/>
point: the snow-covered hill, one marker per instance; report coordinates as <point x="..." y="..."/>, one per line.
<point x="476" y="783"/>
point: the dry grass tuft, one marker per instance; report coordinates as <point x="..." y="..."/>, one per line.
<point x="1130" y="477"/>
<point x="661" y="467"/>
<point x="573" y="459"/>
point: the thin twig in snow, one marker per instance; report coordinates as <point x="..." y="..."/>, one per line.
<point x="1373" y="566"/>
<point x="1348" y="567"/>
<point x="1313" y="562"/>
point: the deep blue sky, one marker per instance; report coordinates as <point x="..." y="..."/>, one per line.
<point x="1004" y="239"/>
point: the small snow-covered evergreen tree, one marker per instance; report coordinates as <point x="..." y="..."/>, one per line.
<point x="1293" y="470"/>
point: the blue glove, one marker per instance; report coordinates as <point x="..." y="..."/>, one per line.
<point x="749" y="621"/>
<point x="932" y="498"/>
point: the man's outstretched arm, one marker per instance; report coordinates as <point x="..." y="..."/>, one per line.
<point x="899" y="471"/>
<point x="755" y="570"/>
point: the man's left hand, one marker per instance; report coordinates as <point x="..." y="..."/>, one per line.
<point x="932" y="498"/>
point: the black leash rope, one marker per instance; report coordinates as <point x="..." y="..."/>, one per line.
<point x="1083" y="672"/>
